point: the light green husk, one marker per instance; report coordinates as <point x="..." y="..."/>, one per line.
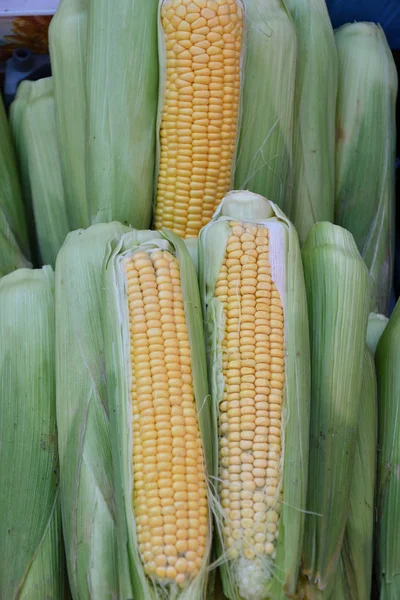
<point x="277" y="577"/>
<point x="40" y="149"/>
<point x="358" y="543"/>
<point x="132" y="579"/>
<point x="67" y="41"/>
<point x="31" y="545"/>
<point x="191" y="244"/>
<point x="14" y="247"/>
<point x="87" y="494"/>
<point x="366" y="145"/>
<point x="122" y="97"/>
<point x="311" y="197"/>
<point x="388" y="491"/>
<point x="337" y="285"/>
<point x="264" y="156"/>
<point x="376" y="327"/>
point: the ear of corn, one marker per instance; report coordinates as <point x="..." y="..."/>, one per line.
<point x="31" y="545"/>
<point x="67" y="41"/>
<point x="257" y="344"/>
<point x="13" y="231"/>
<point x="311" y="197"/>
<point x="376" y="326"/>
<point x="264" y="156"/>
<point x="388" y="545"/>
<point x="358" y="543"/>
<point x="162" y="435"/>
<point x="365" y="155"/>
<point x="17" y="111"/>
<point x="122" y="92"/>
<point x="40" y="150"/>
<point x="337" y="285"/>
<point x="87" y="494"/>
<point x="200" y="46"/>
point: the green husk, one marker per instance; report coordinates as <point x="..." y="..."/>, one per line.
<point x="358" y="543"/>
<point x="388" y="491"/>
<point x="132" y="579"/>
<point x="31" y="545"/>
<point x="311" y="198"/>
<point x="264" y="156"/>
<point x="87" y="494"/>
<point x="376" y="327"/>
<point x="337" y="285"/>
<point x="366" y="145"/>
<point x="191" y="244"/>
<point x="277" y="577"/>
<point x="39" y="139"/>
<point x="67" y="41"/>
<point x="14" y="246"/>
<point x="122" y="97"/>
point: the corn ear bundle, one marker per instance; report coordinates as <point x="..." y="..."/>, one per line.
<point x="67" y="41"/>
<point x="388" y="491"/>
<point x="14" y="247"/>
<point x="311" y="198"/>
<point x="31" y="545"/>
<point x="162" y="435"/>
<point x="87" y="494"/>
<point x="376" y="326"/>
<point x="200" y="50"/>
<point x="366" y="143"/>
<point x="265" y="149"/>
<point x="255" y="310"/>
<point x="358" y="543"/>
<point x="337" y="285"/>
<point x="41" y="146"/>
<point x="121" y="94"/>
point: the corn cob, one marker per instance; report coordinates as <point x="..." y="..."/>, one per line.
<point x="122" y="93"/>
<point x="257" y="342"/>
<point x="87" y="495"/>
<point x="67" y="41"/>
<point x="388" y="492"/>
<point x="200" y="55"/>
<point x="14" y="247"/>
<point x="358" y="544"/>
<point x="365" y="155"/>
<point x="264" y="157"/>
<point x="337" y="285"/>
<point x="17" y="111"/>
<point x="40" y="148"/>
<point x="31" y="546"/>
<point x="311" y="198"/>
<point x="162" y="439"/>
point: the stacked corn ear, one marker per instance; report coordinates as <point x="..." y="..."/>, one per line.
<point x="17" y="111"/>
<point x="265" y="150"/>
<point x="366" y="145"/>
<point x="311" y="197"/>
<point x="67" y="41"/>
<point x="337" y="285"/>
<point x="388" y="491"/>
<point x="160" y="417"/>
<point x="255" y="310"/>
<point x="14" y="246"/>
<point x="121" y="95"/>
<point x="39" y="146"/>
<point x="200" y="49"/>
<point x="376" y="326"/>
<point x="31" y="545"/>
<point x="87" y="496"/>
<point x="358" y="543"/>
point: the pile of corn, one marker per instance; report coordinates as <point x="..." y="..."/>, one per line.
<point x="199" y="397"/>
